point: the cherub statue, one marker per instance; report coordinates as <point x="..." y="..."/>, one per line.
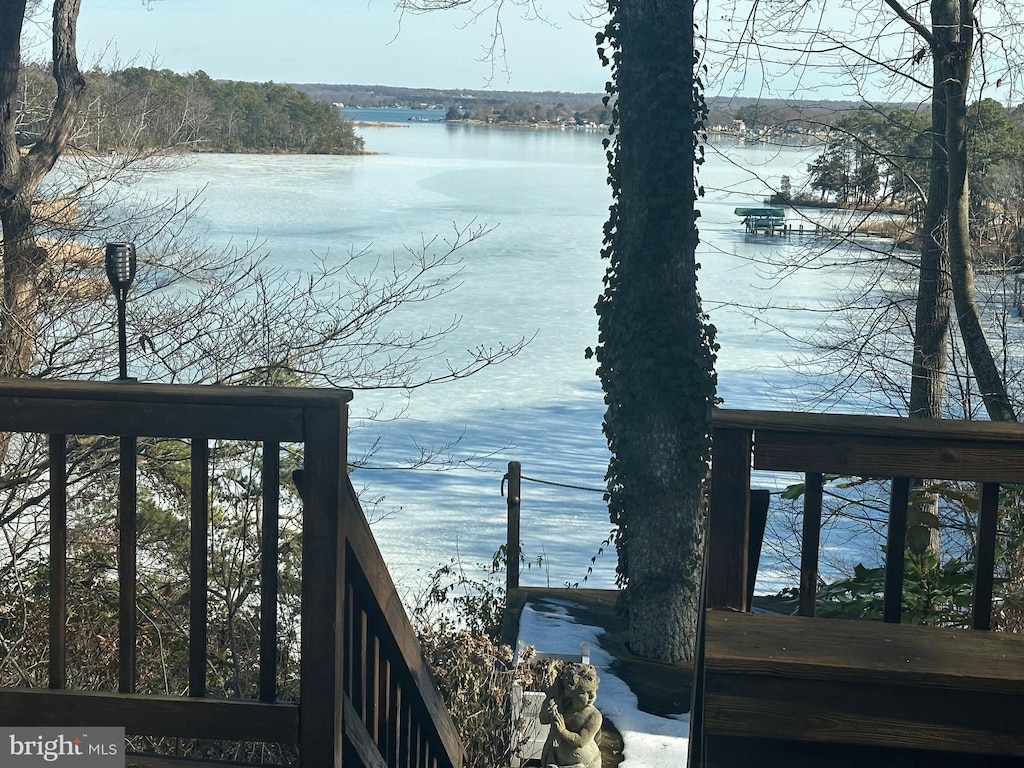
<point x="575" y="721"/>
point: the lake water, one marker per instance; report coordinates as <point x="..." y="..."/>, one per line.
<point x="536" y="275"/>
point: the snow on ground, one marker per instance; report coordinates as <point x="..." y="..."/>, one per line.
<point x="648" y="740"/>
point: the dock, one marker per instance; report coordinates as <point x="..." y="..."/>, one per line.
<point x="763" y="220"/>
<point x="772" y="222"/>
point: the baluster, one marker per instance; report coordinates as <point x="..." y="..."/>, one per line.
<point x="373" y="689"/>
<point x="383" y="696"/>
<point x="404" y="732"/>
<point x="361" y="671"/>
<point x="419" y="752"/>
<point x="268" y="571"/>
<point x="58" y="560"/>
<point x="760" y="500"/>
<point x="892" y="600"/>
<point x="810" y="543"/>
<point x="127" y="513"/>
<point x="985" y="556"/>
<point x="348" y="668"/>
<point x="391" y="721"/>
<point x="198" y="596"/>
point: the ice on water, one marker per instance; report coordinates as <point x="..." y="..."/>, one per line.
<point x="536" y="275"/>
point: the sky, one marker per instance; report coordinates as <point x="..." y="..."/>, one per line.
<point x="369" y="42"/>
<point x="364" y="42"/>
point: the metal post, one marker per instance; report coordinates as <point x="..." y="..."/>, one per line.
<point x="120" y="263"/>
<point x="122" y="335"/>
<point x="514" y="477"/>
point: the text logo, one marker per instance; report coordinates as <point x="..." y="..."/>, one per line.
<point x="62" y="747"/>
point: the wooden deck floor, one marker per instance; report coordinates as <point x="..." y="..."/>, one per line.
<point x="775" y="679"/>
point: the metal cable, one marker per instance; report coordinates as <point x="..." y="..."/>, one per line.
<point x="562" y="485"/>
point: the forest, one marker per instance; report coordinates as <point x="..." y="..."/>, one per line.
<point x="141" y="108"/>
<point x="880" y="159"/>
<point x="872" y="155"/>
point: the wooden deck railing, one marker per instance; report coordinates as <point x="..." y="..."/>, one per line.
<point x="795" y="691"/>
<point x="861" y="446"/>
<point x="365" y="696"/>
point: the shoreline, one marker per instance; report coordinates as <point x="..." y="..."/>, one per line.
<point x="590" y="127"/>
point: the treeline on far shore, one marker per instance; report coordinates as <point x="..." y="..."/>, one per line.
<point x="140" y="108"/>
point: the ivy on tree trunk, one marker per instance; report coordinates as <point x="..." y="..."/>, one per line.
<point x="656" y="350"/>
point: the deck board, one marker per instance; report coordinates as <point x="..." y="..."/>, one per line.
<point x="850" y="682"/>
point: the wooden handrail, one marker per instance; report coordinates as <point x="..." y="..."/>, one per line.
<point x="388" y="626"/>
<point x="358" y="652"/>
<point x="866" y="425"/>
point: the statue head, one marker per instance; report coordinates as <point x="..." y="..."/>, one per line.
<point x="578" y="684"/>
<point x="580" y="677"/>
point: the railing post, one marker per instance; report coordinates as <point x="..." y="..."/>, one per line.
<point x="514" y="477"/>
<point x="323" y="587"/>
<point x="729" y="520"/>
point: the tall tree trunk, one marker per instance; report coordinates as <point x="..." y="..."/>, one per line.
<point x="955" y="31"/>
<point x="656" y="350"/>
<point x="934" y="297"/>
<point x="22" y="261"/>
<point x="934" y="290"/>
<point x="21" y="173"/>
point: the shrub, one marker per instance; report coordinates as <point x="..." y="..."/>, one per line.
<point x="933" y="593"/>
<point x="458" y="621"/>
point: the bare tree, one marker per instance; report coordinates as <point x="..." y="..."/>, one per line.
<point x="488" y="12"/>
<point x="952" y="42"/>
<point x="931" y="49"/>
<point x="201" y="315"/>
<point x="21" y="173"/>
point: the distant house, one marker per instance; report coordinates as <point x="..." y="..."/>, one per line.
<point x="740" y="126"/>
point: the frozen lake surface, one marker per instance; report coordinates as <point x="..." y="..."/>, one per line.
<point x="536" y="275"/>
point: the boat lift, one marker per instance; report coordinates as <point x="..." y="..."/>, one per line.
<point x="763" y="220"/>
